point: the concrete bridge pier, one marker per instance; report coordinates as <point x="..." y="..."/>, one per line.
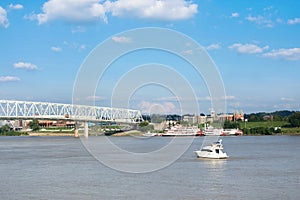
<point x="76" y="134"/>
<point x="86" y="130"/>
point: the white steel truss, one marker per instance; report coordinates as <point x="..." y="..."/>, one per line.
<point x="56" y="111"/>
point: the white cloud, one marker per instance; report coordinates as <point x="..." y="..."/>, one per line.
<point x="56" y="49"/>
<point x="82" y="47"/>
<point x="188" y="52"/>
<point x="268" y="8"/>
<point x="77" y="11"/>
<point x="121" y="39"/>
<point x="287" y="54"/>
<point x="213" y="47"/>
<point x="294" y="21"/>
<point x="286" y="99"/>
<point x="235" y="14"/>
<point x="25" y="65"/>
<point x="168" y="10"/>
<point x="157" y="108"/>
<point x="95" y="98"/>
<point x="228" y="97"/>
<point x="15" y="6"/>
<point x="3" y="18"/>
<point x="9" y="78"/>
<point x="209" y="98"/>
<point x="75" y="46"/>
<point x="261" y="20"/>
<point x="82" y="11"/>
<point x="248" y="48"/>
<point x="78" y="29"/>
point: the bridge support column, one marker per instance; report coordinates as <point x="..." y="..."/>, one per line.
<point x="76" y="134"/>
<point x="86" y="130"/>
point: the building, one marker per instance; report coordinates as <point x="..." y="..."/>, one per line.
<point x="213" y="117"/>
<point x="239" y="116"/>
<point x="195" y="119"/>
<point x="53" y="123"/>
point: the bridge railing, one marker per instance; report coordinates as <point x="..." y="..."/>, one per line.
<point x="46" y="110"/>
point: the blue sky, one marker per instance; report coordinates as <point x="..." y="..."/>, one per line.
<point x="254" y="44"/>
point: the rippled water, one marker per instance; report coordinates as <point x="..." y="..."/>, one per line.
<point x="263" y="167"/>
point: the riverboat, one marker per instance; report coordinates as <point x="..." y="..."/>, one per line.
<point x="179" y="130"/>
<point x="232" y="132"/>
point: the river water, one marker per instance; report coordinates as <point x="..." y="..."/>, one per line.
<point x="262" y="167"/>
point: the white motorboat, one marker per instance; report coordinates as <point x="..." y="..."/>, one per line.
<point x="213" y="151"/>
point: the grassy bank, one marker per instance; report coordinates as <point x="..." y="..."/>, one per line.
<point x="290" y="131"/>
<point x="50" y="134"/>
<point x="267" y="124"/>
<point x="268" y="128"/>
<point x="13" y="133"/>
<point x="129" y="133"/>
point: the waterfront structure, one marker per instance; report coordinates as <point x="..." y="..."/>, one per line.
<point x="10" y="110"/>
<point x="213" y="117"/>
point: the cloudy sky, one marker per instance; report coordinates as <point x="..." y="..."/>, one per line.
<point x="254" y="44"/>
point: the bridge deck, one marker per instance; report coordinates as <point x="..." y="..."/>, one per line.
<point x="56" y="111"/>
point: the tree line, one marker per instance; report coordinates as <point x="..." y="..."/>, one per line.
<point x="8" y="131"/>
<point x="292" y="117"/>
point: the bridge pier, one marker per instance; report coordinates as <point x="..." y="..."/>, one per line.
<point x="86" y="129"/>
<point x="76" y="135"/>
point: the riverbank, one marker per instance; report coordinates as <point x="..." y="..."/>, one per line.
<point x="129" y="133"/>
<point x="285" y="131"/>
<point x="50" y="134"/>
<point x="126" y="133"/>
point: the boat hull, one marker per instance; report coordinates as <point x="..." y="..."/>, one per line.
<point x="211" y="155"/>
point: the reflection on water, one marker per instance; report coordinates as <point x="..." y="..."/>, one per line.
<point x="214" y="163"/>
<point x="215" y="168"/>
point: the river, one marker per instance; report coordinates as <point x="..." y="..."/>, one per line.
<point x="259" y="167"/>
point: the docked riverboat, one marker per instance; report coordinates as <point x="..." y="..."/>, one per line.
<point x="179" y="130"/>
<point x="211" y="131"/>
<point x="229" y="132"/>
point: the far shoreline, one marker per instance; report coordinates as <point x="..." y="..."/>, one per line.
<point x="127" y="134"/>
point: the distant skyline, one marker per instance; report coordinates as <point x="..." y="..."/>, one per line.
<point x="254" y="44"/>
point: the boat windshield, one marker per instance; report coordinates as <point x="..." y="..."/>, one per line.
<point x="208" y="150"/>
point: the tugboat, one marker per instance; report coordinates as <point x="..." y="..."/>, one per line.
<point x="214" y="151"/>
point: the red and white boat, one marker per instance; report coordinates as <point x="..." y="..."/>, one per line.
<point x="234" y="131"/>
<point x="179" y="130"/>
<point x="211" y="131"/>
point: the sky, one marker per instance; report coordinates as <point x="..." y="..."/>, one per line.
<point x="255" y="46"/>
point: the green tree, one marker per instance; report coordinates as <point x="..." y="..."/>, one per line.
<point x="144" y="123"/>
<point x="34" y="125"/>
<point x="4" y="129"/>
<point x="294" y="119"/>
<point x="228" y="124"/>
<point x="277" y="118"/>
<point x="145" y="126"/>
